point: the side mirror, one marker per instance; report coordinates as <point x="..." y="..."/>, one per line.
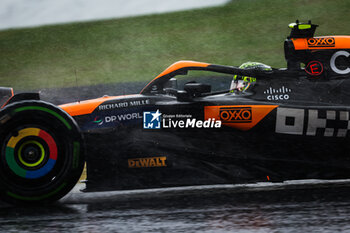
<point x="197" y="89"/>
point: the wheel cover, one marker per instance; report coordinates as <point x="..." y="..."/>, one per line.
<point x="32" y="153"/>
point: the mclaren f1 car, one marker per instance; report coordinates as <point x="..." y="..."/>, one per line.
<point x="194" y="124"/>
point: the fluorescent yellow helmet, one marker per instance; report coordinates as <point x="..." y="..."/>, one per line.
<point x="248" y="81"/>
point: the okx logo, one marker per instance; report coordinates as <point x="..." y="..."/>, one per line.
<point x="236" y="114"/>
<point x="152" y="120"/>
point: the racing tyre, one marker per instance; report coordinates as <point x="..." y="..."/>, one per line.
<point x="41" y="153"/>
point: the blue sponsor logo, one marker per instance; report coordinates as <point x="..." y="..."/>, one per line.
<point x="152" y="120"/>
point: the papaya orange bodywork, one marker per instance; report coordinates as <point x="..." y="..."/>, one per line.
<point x="87" y="106"/>
<point x="340" y="42"/>
<point x="182" y="64"/>
<point x="83" y="107"/>
<point x="258" y="112"/>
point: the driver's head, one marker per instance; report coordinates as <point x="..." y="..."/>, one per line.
<point x="242" y="83"/>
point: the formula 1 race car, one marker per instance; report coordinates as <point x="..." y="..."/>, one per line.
<point x="194" y="124"/>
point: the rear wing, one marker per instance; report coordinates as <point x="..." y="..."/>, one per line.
<point x="324" y="56"/>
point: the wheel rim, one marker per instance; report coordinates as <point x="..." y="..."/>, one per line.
<point x="32" y="153"/>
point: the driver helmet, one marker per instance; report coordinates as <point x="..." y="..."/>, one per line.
<point x="242" y="83"/>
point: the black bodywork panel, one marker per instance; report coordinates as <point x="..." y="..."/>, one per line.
<point x="304" y="136"/>
<point x="292" y="124"/>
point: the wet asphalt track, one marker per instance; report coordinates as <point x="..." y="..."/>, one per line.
<point x="307" y="206"/>
<point x="296" y="206"/>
